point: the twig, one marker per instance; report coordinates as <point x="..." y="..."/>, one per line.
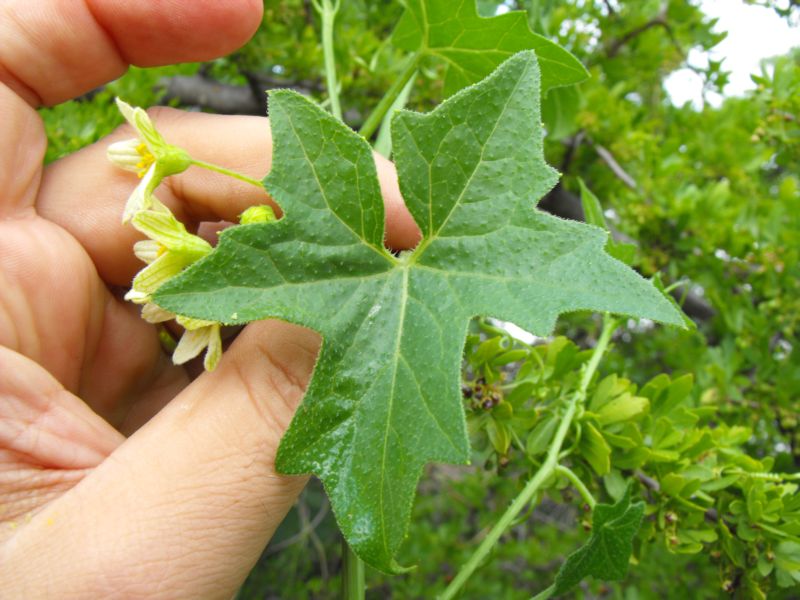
<point x="218" y="97"/>
<point x="572" y="146"/>
<point x="659" y="21"/>
<point x="302" y="511"/>
<point x="648" y="481"/>
<point x="376" y="116"/>
<point x="579" y="485"/>
<point x="228" y="99"/>
<point x="615" y="167"/>
<point x="303" y="533"/>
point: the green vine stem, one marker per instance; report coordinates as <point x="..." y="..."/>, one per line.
<point x="217" y="169"/>
<point x="383" y="143"/>
<point x="353" y="587"/>
<point x="376" y="116"/>
<point x="327" y="11"/>
<point x="579" y="485"/>
<point x="547" y="469"/>
<point x="545" y="594"/>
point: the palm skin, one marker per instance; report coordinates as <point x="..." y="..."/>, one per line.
<point x="183" y="507"/>
<point x="69" y="345"/>
<point x="120" y="475"/>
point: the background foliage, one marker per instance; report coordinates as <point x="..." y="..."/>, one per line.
<point x="705" y="422"/>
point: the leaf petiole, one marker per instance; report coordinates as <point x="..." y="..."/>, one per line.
<point x="376" y="116"/>
<point x="217" y="169"/>
<point x="353" y="587"/>
<point x="327" y="11"/>
<point x="545" y="594"/>
<point x="383" y="142"/>
<point x="579" y="485"/>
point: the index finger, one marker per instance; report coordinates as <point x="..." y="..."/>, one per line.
<point x="54" y="51"/>
<point x="85" y="194"/>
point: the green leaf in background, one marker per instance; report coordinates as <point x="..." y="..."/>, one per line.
<point x="559" y="108"/>
<point x="595" y="450"/>
<point x="473" y="46"/>
<point x="593" y="213"/>
<point x="539" y="438"/>
<point x="787" y="563"/>
<point x="385" y="396"/>
<point x="608" y="551"/>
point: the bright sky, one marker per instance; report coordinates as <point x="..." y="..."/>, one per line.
<point x="754" y="33"/>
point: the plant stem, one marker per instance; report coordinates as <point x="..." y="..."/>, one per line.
<point x="517" y="505"/>
<point x="353" y="587"/>
<point x="217" y="169"/>
<point x="383" y="143"/>
<point x="376" y="116"/>
<point x="544" y="594"/>
<point x="579" y="485"/>
<point x="609" y="325"/>
<point x="327" y="11"/>
<point x="545" y="471"/>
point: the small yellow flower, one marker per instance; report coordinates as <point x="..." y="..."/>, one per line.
<point x="199" y="335"/>
<point x="169" y="250"/>
<point x="149" y="156"/>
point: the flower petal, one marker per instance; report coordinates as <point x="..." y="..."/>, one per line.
<point x="128" y="112"/>
<point x="140" y="121"/>
<point x="154" y="275"/>
<point x="158" y="206"/>
<point x="147" y="251"/>
<point x="171" y="233"/>
<point x="141" y="198"/>
<point x="137" y="297"/>
<point x="125" y="154"/>
<point x="192" y="343"/>
<point x="153" y="313"/>
<point x="214" y="352"/>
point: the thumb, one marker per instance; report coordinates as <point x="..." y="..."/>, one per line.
<point x="184" y="507"/>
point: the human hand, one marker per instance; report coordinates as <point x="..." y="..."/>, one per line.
<point x="184" y="506"/>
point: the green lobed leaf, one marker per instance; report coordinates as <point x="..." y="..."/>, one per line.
<point x="592" y="210"/>
<point x="607" y="552"/>
<point x="595" y="450"/>
<point x="593" y="213"/>
<point x="472" y="46"/>
<point x="385" y="395"/>
<point x="559" y="111"/>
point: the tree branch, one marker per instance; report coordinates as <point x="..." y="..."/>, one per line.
<point x="611" y="11"/>
<point x="218" y="97"/>
<point x="227" y="99"/>
<point x="615" y="167"/>
<point x="659" y="21"/>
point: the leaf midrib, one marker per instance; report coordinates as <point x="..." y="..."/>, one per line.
<point x="395" y="363"/>
<point x="381" y="251"/>
<point x="434" y="235"/>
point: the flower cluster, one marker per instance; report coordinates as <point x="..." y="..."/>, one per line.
<point x="170" y="248"/>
